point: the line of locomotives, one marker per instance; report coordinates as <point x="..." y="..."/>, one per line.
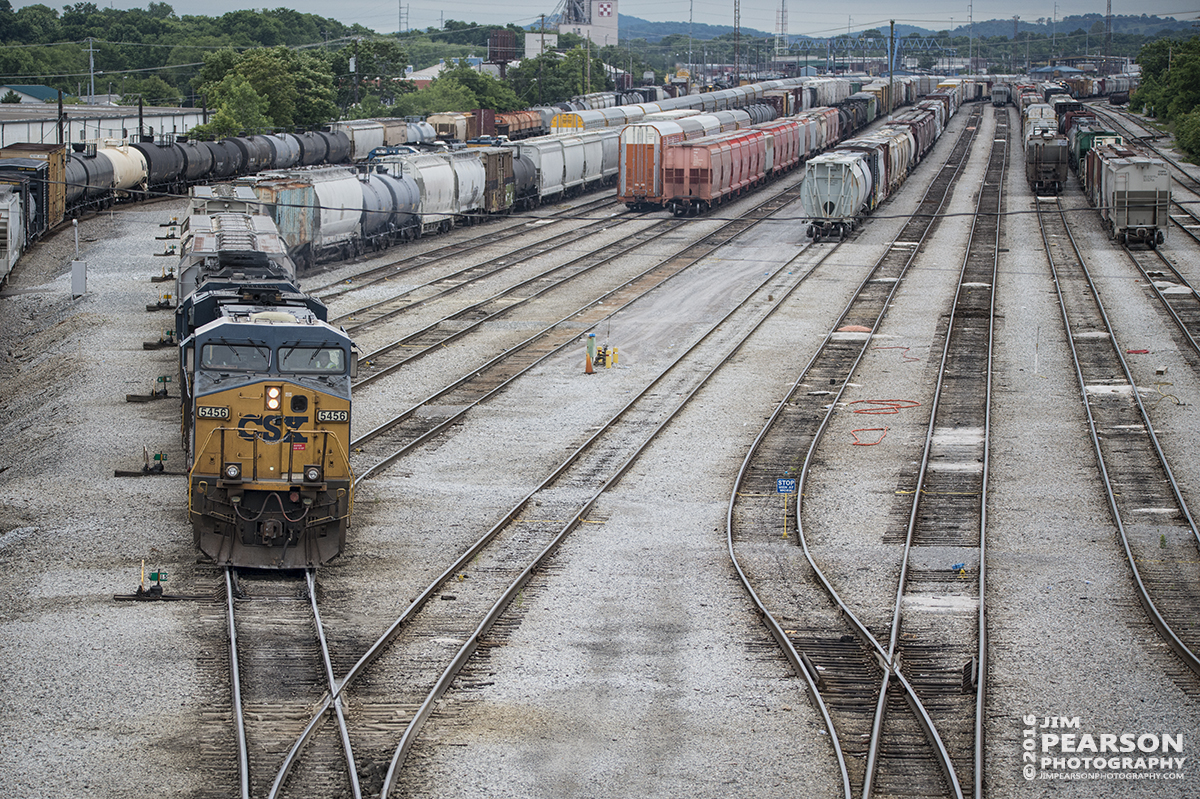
<point x="265" y="385"/>
<point x="321" y="213"/>
<point x="1128" y="185"/>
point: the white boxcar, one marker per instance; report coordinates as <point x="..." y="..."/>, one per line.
<point x="837" y="188"/>
<point x="365" y="135"/>
<point x="610" y="153"/>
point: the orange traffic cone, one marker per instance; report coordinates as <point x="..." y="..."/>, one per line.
<point x="587" y="361"/>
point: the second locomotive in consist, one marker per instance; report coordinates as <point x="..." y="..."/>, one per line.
<point x="266" y="400"/>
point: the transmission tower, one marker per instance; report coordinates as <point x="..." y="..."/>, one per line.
<point x="737" y="42"/>
<point x="781" y="31"/>
<point x="1107" y="38"/>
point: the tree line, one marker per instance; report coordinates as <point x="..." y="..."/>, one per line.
<point x="282" y="69"/>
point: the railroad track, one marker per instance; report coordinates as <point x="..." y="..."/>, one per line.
<point x="276" y="676"/>
<point x="1175" y="292"/>
<point x="388" y="358"/>
<point x="401" y="266"/>
<point x="378" y="448"/>
<point x="372" y="314"/>
<point x="1154" y="524"/>
<point x="945" y="652"/>
<point x="861" y="680"/>
<point x="398" y="681"/>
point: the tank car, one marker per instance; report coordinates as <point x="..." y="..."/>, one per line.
<point x="318" y="211"/>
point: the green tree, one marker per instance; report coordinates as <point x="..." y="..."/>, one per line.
<point x="380" y="63"/>
<point x="442" y="95"/>
<point x="239" y="109"/>
<point x="298" y="87"/>
<point x="489" y="92"/>
<point x="1187" y="133"/>
<point x="10" y="97"/>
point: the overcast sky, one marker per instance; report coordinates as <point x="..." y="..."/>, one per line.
<point x="758" y="14"/>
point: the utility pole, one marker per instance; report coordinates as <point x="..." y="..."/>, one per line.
<point x="354" y="69"/>
<point x="541" y="59"/>
<point x="1054" y="31"/>
<point x="891" y="61"/>
<point x="587" y="86"/>
<point x="691" y="6"/>
<point x="91" y="51"/>
<point x="970" y="37"/>
<point x="1012" y="56"/>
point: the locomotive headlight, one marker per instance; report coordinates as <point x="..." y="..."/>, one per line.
<point x="233" y="471"/>
<point x="312" y="474"/>
<point x="273" y="396"/>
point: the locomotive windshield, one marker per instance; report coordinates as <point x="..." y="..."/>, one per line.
<point x="235" y="357"/>
<point x="312" y="360"/>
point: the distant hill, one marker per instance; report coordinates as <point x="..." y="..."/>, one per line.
<point x="635" y="28"/>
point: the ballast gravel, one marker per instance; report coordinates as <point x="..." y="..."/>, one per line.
<point x="633" y="666"/>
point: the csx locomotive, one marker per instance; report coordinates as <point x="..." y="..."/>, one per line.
<point x="266" y="399"/>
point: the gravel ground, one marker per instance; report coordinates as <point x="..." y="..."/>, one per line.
<point x="633" y="666"/>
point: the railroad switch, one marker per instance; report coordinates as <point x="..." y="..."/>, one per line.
<point x="164" y="304"/>
<point x="151" y="593"/>
<point x="167" y="339"/>
<point x="157" y="465"/>
<point x="155" y="394"/>
<point x="606" y="356"/>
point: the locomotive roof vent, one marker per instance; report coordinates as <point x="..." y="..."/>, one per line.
<point x="268" y="317"/>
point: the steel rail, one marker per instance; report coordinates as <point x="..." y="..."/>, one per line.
<point x="949" y="344"/>
<point x="384" y="640"/>
<point x="890" y="667"/>
<point x="567" y="328"/>
<point x="801" y="665"/>
<point x="373" y="313"/>
<point x="239" y="718"/>
<point x="468" y="648"/>
<point x="338" y="705"/>
<point x="448" y="249"/>
<point x="860" y="630"/>
<point x="1172" y="305"/>
<point x="433" y="336"/>
<point x="1189" y="657"/>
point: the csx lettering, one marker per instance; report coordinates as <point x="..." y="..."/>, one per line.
<point x="270" y="428"/>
